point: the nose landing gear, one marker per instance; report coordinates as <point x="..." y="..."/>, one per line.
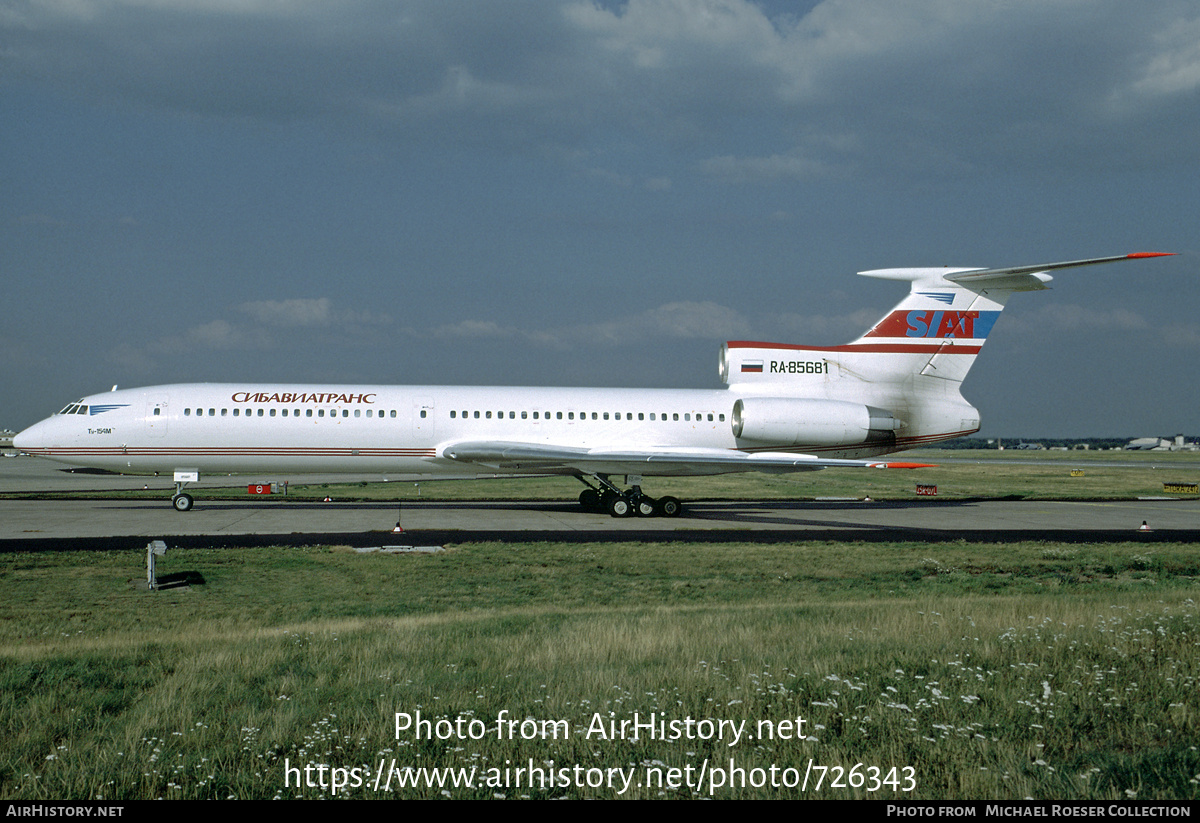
<point x="182" y="501"/>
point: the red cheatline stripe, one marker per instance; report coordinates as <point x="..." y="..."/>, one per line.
<point x="224" y="452"/>
<point x="895" y="348"/>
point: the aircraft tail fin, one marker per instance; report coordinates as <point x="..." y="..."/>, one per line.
<point x="934" y="333"/>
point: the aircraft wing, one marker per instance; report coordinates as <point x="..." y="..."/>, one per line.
<point x="537" y="457"/>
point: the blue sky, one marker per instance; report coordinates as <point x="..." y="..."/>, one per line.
<point x="578" y="193"/>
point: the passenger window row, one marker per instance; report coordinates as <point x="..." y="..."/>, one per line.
<point x="454" y="414"/>
<point x="571" y="415"/>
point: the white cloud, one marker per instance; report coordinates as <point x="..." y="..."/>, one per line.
<point x="1071" y="323"/>
<point x="258" y="326"/>
<point x="290" y="313"/>
<point x="1171" y="62"/>
<point x="764" y="95"/>
<point x="130" y="359"/>
<point x="1182" y="335"/>
<point x="683" y="320"/>
<point x="820" y="330"/>
<point x="475" y="329"/>
<point x="1070" y="318"/>
<point x="673" y="34"/>
<point x="749" y="169"/>
<point x="215" y="335"/>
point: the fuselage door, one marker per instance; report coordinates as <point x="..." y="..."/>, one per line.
<point x="422" y="417"/>
<point x="157" y="411"/>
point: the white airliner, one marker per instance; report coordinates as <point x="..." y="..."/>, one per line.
<point x="785" y="408"/>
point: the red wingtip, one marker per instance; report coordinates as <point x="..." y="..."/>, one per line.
<point x="892" y="465"/>
<point x="1141" y="254"/>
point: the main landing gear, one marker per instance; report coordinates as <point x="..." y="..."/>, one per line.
<point x="609" y="498"/>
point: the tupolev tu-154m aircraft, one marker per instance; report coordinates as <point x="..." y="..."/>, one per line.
<point x="785" y="408"/>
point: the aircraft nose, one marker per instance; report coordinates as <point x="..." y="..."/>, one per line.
<point x="30" y="439"/>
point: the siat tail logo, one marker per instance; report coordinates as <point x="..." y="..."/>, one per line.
<point x="930" y="323"/>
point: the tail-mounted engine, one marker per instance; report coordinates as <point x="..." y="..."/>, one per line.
<point x="811" y="422"/>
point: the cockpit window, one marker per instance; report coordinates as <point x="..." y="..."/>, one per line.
<point x="75" y="408"/>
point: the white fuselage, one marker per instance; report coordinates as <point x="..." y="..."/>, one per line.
<point x="393" y="430"/>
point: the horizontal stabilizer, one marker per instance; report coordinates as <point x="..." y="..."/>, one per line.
<point x="1014" y="278"/>
<point x="976" y="276"/>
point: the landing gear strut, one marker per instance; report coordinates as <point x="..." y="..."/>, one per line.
<point x="610" y="498"/>
<point x="180" y="500"/>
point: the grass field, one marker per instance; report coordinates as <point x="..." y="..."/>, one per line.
<point x="973" y="671"/>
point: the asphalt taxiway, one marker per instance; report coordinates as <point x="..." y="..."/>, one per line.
<point x="56" y="524"/>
